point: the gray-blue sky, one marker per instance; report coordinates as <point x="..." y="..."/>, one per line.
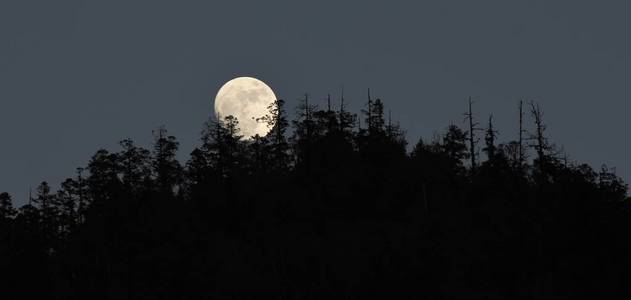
<point x="79" y="75"/>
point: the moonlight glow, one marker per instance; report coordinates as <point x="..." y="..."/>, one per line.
<point x="247" y="99"/>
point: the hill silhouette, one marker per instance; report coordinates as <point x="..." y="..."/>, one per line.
<point x="328" y="205"/>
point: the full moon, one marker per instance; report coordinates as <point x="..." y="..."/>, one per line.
<point x="247" y="99"/>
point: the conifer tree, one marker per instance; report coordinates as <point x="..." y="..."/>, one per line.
<point x="221" y="148"/>
<point x="454" y="145"/>
<point x="490" y="138"/>
<point x="68" y="197"/>
<point x="48" y="214"/>
<point x="165" y="166"/>
<point x="277" y="147"/>
<point x="83" y="201"/>
<point x="375" y="117"/>
<point x="6" y="207"/>
<point x="305" y="133"/>
<point x="135" y="164"/>
<point x="346" y="119"/>
<point x="103" y="181"/>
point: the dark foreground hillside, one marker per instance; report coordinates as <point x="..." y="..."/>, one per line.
<point x="334" y="209"/>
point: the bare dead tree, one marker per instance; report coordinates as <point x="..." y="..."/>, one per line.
<point x="328" y="102"/>
<point x="369" y="112"/>
<point x="522" y="157"/>
<point x="472" y="139"/>
<point x="540" y="142"/>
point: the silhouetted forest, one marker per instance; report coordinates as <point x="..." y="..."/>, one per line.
<point x="329" y="205"/>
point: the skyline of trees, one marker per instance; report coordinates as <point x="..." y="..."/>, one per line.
<point x="329" y="203"/>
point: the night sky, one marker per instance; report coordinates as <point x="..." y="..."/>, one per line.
<point x="76" y="76"/>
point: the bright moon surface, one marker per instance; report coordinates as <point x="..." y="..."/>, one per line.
<point x="247" y="99"/>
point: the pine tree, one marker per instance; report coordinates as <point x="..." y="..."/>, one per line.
<point x="166" y="168"/>
<point x="305" y="133"/>
<point x="346" y="119"/>
<point x="69" y="198"/>
<point x="135" y="165"/>
<point x="44" y="201"/>
<point x="275" y="144"/>
<point x="221" y="150"/>
<point x="375" y="117"/>
<point x="395" y="134"/>
<point x="103" y="182"/>
<point x="328" y="119"/>
<point x="48" y="215"/>
<point x="197" y="167"/>
<point x="83" y="201"/>
<point x="612" y="185"/>
<point x="454" y="146"/>
<point x="489" y="138"/>
<point x="6" y="207"/>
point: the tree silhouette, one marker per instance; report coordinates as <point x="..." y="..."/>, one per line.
<point x="277" y="147"/>
<point x="6" y="207"/>
<point x="472" y="139"/>
<point x="323" y="209"/>
<point x="165" y="167"/>
<point x="454" y="146"/>
<point x="540" y="142"/>
<point x="489" y="139"/>
<point x="135" y="162"/>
